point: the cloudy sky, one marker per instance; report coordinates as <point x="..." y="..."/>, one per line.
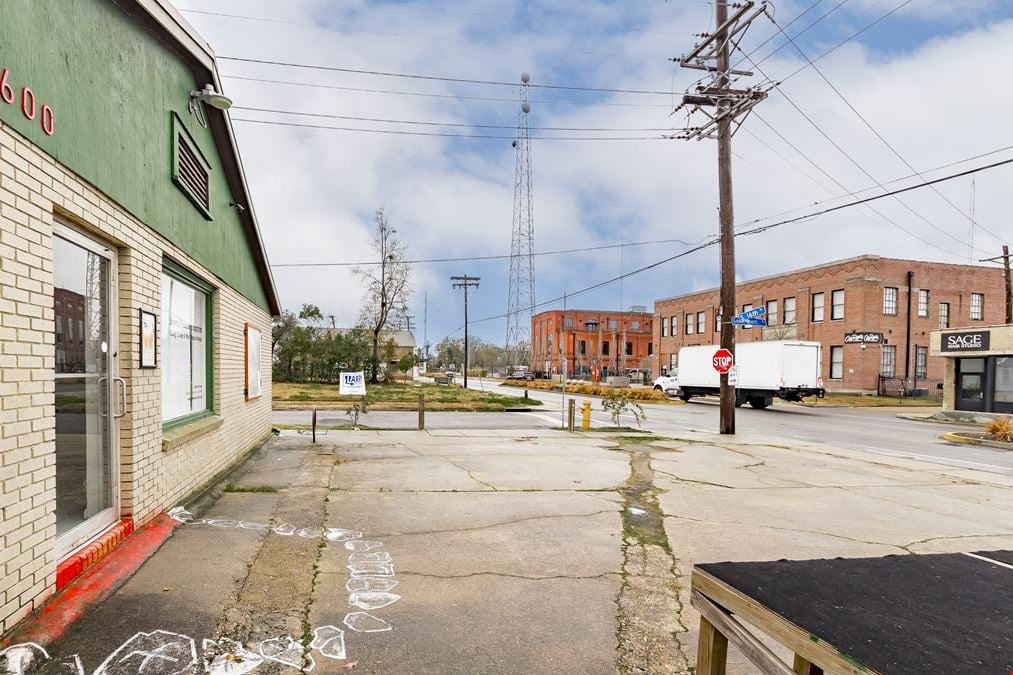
<point x="925" y="87"/>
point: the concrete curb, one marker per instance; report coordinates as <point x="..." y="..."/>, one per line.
<point x="933" y="420"/>
<point x="954" y="437"/>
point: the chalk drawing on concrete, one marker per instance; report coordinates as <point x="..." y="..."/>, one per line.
<point x="159" y="652"/>
<point x="371" y="569"/>
<point x="181" y="514"/>
<point x="361" y="584"/>
<point x="362" y="545"/>
<point x="364" y="622"/>
<point x="288" y="652"/>
<point x="285" y="529"/>
<point x="229" y="657"/>
<point x="330" y="642"/>
<point x="223" y="522"/>
<point x="28" y="657"/>
<point x="374" y="557"/>
<point x="310" y="532"/>
<point x="372" y="599"/>
<point x="339" y="534"/>
<point x="253" y="526"/>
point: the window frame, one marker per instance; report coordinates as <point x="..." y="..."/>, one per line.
<point x="183" y="275"/>
<point x="944" y="315"/>
<point x="834" y="304"/>
<point x="771" y="314"/>
<point x="674" y="328"/>
<point x="890" y="350"/>
<point x="887" y="301"/>
<point x="836" y="349"/>
<point x="701" y="322"/>
<point x="785" y="310"/>
<point x="822" y="307"/>
<point x="980" y="297"/>
<point x="921" y="362"/>
<point x="690" y="324"/>
<point x="664" y="327"/>
<point x="923" y="303"/>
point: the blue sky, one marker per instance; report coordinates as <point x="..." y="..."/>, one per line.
<point x="315" y="189"/>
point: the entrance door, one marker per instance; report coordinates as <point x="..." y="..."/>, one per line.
<point x="89" y="395"/>
<point x="970" y="384"/>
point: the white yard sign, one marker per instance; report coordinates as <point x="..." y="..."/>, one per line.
<point x="353" y="384"/>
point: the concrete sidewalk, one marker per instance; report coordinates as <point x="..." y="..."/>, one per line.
<point x="508" y="551"/>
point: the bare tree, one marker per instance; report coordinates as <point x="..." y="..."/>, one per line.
<point x="387" y="285"/>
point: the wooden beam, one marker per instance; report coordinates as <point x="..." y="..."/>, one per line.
<point x="712" y="650"/>
<point x="803" y="667"/>
<point x="801" y="642"/>
<point x="754" y="650"/>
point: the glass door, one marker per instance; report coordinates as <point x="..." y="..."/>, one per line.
<point x="970" y="384"/>
<point x="89" y="395"/>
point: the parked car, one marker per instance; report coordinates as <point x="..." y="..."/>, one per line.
<point x="521" y="375"/>
<point x="667" y="383"/>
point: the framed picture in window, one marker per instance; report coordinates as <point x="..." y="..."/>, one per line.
<point x="149" y="351"/>
<point x="254" y="375"/>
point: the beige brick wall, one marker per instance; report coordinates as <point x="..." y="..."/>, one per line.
<point x="35" y="191"/>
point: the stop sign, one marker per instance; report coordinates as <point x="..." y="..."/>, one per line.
<point x="723" y="360"/>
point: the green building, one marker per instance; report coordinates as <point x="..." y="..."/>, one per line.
<point x="135" y="293"/>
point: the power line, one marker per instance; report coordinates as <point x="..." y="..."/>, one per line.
<point x="449" y="96"/>
<point x="336" y="29"/>
<point x="847" y="155"/>
<point x="438" y="78"/>
<point x="396" y="132"/>
<point x="427" y="123"/>
<point x="758" y="230"/>
<point x="764" y="228"/>
<point x="872" y="128"/>
<point x="492" y="257"/>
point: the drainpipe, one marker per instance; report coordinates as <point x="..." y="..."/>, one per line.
<point x="907" y="338"/>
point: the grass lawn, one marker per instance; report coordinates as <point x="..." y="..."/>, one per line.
<point x="287" y="396"/>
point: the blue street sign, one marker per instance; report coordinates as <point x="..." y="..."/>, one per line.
<point x="741" y="320"/>
<point x="753" y="313"/>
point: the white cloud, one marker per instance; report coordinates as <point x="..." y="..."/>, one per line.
<point x="315" y="190"/>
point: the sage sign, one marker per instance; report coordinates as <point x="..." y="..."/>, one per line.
<point x="966" y="342"/>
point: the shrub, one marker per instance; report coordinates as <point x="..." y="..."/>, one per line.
<point x="1001" y="429"/>
<point x="619" y="402"/>
<point x="355" y="409"/>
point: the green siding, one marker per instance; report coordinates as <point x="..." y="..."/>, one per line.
<point x="113" y="89"/>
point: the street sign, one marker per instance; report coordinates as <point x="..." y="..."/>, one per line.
<point x="733" y="376"/>
<point x="752" y="313"/>
<point x="742" y="320"/>
<point x="723" y="360"/>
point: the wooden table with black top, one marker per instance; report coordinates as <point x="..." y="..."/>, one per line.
<point x="938" y="614"/>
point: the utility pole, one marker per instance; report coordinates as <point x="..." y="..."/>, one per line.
<point x="1009" y="280"/>
<point x="465" y="282"/>
<point x="727" y="104"/>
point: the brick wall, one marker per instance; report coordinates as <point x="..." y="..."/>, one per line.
<point x="35" y="191"/>
<point x="546" y="361"/>
<point x="862" y="280"/>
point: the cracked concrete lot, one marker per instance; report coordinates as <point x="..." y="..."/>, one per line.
<point x="517" y="552"/>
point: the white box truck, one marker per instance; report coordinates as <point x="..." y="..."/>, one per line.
<point x="787" y="369"/>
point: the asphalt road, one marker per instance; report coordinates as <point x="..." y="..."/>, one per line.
<point x="865" y="429"/>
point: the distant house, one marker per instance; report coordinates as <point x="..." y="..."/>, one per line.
<point x="404" y="340"/>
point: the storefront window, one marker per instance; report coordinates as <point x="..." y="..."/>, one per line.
<point x="971" y="377"/>
<point x="185" y="348"/>
<point x="1004" y="379"/>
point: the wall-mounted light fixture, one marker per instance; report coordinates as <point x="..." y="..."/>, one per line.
<point x="210" y="97"/>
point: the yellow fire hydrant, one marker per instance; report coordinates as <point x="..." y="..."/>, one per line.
<point x="585" y="412"/>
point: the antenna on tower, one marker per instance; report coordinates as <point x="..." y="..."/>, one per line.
<point x="521" y="294"/>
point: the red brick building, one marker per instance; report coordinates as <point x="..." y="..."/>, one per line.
<point x="596" y="344"/>
<point x="857" y="308"/>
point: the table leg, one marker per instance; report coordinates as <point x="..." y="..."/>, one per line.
<point x="803" y="667"/>
<point x="712" y="650"/>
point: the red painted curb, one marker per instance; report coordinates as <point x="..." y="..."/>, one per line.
<point x="76" y="564"/>
<point x="96" y="584"/>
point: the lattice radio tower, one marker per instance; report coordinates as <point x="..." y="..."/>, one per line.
<point x="521" y="298"/>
